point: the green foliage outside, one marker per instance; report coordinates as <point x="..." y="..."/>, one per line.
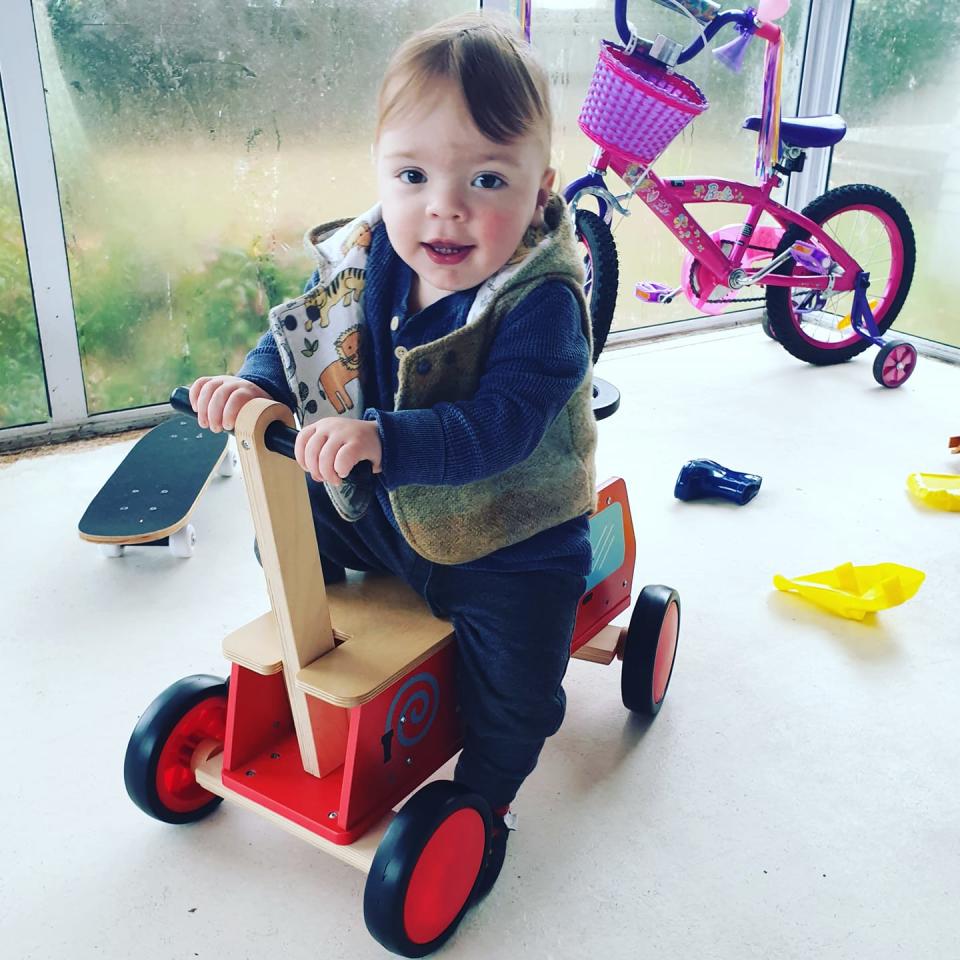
<point x="140" y="337"/>
<point x="22" y="397"/>
<point x="897" y="45"/>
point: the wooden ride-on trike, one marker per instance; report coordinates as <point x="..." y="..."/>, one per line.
<point x="341" y="701"/>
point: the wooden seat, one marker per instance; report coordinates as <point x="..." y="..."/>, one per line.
<point x="382" y="628"/>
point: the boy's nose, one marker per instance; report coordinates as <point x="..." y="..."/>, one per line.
<point x="446" y="205"/>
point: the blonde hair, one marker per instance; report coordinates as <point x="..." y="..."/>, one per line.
<point x="505" y="88"/>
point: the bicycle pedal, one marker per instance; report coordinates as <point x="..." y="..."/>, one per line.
<point x="652" y="292"/>
<point x="811" y="256"/>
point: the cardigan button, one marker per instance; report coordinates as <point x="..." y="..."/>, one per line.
<point x="395" y="323"/>
<point x="399" y="352"/>
<point x="423" y="367"/>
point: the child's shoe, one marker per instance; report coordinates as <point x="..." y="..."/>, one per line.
<point x="503" y="823"/>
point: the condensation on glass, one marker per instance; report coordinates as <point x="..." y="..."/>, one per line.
<point x="23" y="393"/>
<point x="196" y="141"/>
<point x="568" y="33"/>
<point x="900" y="101"/>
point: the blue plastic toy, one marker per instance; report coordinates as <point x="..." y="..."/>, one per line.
<point x="707" y="478"/>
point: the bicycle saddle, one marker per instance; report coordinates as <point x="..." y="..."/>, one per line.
<point x="806" y="131"/>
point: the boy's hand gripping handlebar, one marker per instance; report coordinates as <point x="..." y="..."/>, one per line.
<point x="279" y="438"/>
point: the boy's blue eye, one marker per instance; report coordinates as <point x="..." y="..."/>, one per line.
<point x="488" y="181"/>
<point x="412" y="176"/>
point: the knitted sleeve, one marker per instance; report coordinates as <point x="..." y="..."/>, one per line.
<point x="263" y="367"/>
<point x="538" y="358"/>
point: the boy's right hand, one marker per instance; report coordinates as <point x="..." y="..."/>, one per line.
<point x="217" y="400"/>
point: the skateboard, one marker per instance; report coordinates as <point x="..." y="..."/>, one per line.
<point x="150" y="496"/>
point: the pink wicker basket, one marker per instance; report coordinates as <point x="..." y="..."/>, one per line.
<point x="634" y="108"/>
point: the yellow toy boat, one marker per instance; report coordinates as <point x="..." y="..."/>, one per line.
<point x="853" y="592"/>
<point x="938" y="490"/>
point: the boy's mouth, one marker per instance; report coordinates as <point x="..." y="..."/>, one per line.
<point x="444" y="253"/>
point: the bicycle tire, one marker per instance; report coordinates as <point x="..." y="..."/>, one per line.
<point x="602" y="268"/>
<point x="783" y="320"/>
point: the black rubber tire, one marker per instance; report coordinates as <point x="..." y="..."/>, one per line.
<point x="640" y="649"/>
<point x="151" y="734"/>
<point x="779" y="313"/>
<point x="603" y="275"/>
<point x="765" y="325"/>
<point x="384" y="896"/>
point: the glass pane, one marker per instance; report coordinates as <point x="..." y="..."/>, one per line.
<point x="23" y="397"/>
<point x="568" y="35"/>
<point x="900" y="103"/>
<point x="196" y="142"/>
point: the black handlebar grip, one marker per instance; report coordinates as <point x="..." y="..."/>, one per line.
<point x="180" y="401"/>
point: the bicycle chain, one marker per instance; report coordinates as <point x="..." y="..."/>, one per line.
<point x="693" y="287"/>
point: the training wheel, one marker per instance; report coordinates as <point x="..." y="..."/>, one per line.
<point x="650" y="649"/>
<point x="156" y="770"/>
<point x="425" y="868"/>
<point x="111" y="549"/>
<point x="894" y="363"/>
<point x="183" y="541"/>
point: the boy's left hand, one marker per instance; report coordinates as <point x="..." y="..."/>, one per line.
<point x="328" y="449"/>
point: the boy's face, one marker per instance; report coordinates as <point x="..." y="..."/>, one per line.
<point x="455" y="204"/>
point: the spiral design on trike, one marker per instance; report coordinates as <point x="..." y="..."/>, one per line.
<point x="413" y="709"/>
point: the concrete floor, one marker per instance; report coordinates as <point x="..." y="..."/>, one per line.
<point x="797" y="797"/>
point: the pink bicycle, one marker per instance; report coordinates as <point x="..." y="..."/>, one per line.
<point x="834" y="277"/>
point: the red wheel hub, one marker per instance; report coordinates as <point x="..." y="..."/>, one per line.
<point x="666" y="649"/>
<point x="444" y="875"/>
<point x="177" y="787"/>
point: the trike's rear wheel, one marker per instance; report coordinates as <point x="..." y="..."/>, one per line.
<point x="425" y="868"/>
<point x="650" y="649"/>
<point x="157" y="768"/>
<point x="602" y="274"/>
<point x="875" y="230"/>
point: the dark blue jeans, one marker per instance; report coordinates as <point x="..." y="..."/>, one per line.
<point x="513" y="641"/>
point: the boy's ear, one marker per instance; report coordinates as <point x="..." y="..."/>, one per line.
<point x="546" y="185"/>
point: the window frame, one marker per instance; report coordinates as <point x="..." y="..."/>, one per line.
<point x="824" y="55"/>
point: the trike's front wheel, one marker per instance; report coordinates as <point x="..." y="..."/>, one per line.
<point x="426" y="867"/>
<point x="650" y="649"/>
<point x="602" y="274"/>
<point x="872" y="226"/>
<point x="157" y="769"/>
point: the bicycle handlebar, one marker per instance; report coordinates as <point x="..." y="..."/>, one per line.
<point x="744" y="19"/>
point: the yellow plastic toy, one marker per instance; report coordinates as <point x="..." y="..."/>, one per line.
<point x="938" y="490"/>
<point x="853" y="592"/>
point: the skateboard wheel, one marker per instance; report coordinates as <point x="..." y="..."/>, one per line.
<point x="228" y="463"/>
<point x="426" y="867"/>
<point x="183" y="541"/>
<point x="111" y="549"/>
<point x="650" y="649"/>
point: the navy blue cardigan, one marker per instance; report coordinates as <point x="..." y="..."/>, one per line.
<point x="539" y="356"/>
